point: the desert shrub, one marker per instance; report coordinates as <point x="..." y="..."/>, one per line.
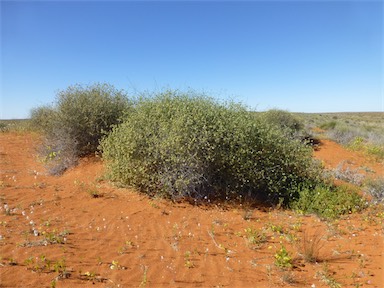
<point x="376" y="151"/>
<point x="348" y="174"/>
<point x="59" y="151"/>
<point x="376" y="138"/>
<point x="373" y="150"/>
<point x="375" y="188"/>
<point x="76" y="122"/>
<point x="328" y="202"/>
<point x="342" y="134"/>
<point x="328" y="125"/>
<point x="186" y="145"/>
<point x="43" y="118"/>
<point x="3" y="127"/>
<point x="356" y="144"/>
<point x="289" y="122"/>
<point x="88" y="112"/>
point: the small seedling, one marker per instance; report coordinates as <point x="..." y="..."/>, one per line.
<point x="277" y="228"/>
<point x="116" y="266"/>
<point x="255" y="237"/>
<point x="327" y="278"/>
<point x="283" y="259"/>
<point x="94" y="193"/>
<point x="12" y="262"/>
<point x="145" y="280"/>
<point x="188" y="261"/>
<point x="288" y="277"/>
<point x="124" y="249"/>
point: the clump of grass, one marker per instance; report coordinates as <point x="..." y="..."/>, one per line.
<point x="311" y="246"/>
<point x="254" y="237"/>
<point x="289" y="278"/>
<point x="329" y="202"/>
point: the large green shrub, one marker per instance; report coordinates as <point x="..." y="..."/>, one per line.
<point x="76" y="122"/>
<point x="186" y="145"/>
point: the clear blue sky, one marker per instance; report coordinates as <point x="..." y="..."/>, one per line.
<point x="302" y="56"/>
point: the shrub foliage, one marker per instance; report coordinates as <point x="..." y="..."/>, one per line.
<point x="77" y="121"/>
<point x="284" y="120"/>
<point x="183" y="145"/>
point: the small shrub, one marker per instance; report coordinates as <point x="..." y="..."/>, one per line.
<point x="328" y="125"/>
<point x="77" y="121"/>
<point x="284" y="120"/>
<point x="376" y="151"/>
<point x="375" y="188"/>
<point x="357" y="144"/>
<point x="3" y="127"/>
<point x="370" y="149"/>
<point x="343" y="134"/>
<point x="328" y="202"/>
<point x="181" y="145"/>
<point x="348" y="174"/>
<point x="59" y="151"/>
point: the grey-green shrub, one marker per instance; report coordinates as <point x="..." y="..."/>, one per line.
<point x="78" y="119"/>
<point x="328" y="125"/>
<point x="89" y="112"/>
<point x="285" y="120"/>
<point x="43" y="118"/>
<point x="186" y="145"/>
<point x="375" y="188"/>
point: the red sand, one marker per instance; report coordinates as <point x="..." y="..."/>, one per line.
<point x="125" y="239"/>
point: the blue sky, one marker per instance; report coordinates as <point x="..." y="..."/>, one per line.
<point x="301" y="56"/>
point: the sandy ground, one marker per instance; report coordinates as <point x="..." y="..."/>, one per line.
<point x="55" y="232"/>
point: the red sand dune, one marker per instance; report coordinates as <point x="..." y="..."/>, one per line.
<point x="125" y="239"/>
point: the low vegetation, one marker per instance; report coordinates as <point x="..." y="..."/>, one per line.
<point x="328" y="202"/>
<point x="15" y="125"/>
<point x="357" y="131"/>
